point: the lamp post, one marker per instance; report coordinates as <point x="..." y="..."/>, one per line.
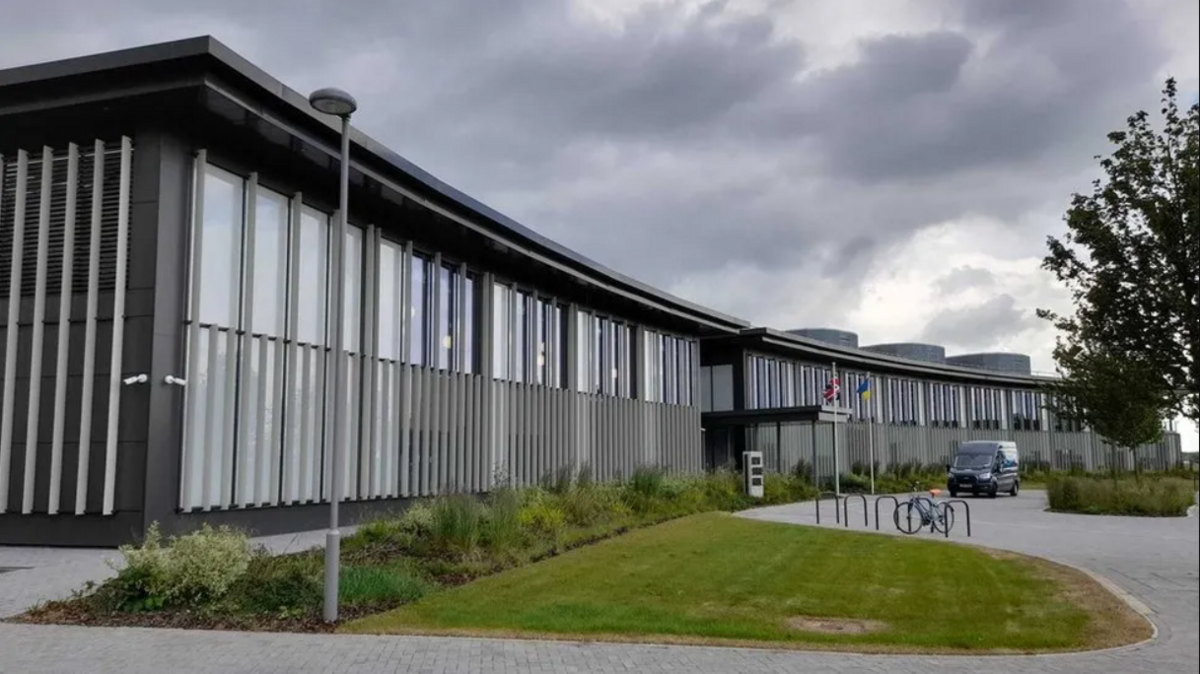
<point x="339" y="103"/>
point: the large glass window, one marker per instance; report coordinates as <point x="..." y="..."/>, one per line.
<point x="521" y="337"/>
<point x="419" y="313"/>
<point x="447" y="299"/>
<point x="468" y="335"/>
<point x="390" y="293"/>
<point x="221" y="248"/>
<point x="501" y="335"/>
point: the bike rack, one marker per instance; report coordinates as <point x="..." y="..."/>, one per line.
<point x="893" y="499"/>
<point x="967" y="506"/>
<point x="837" y="512"/>
<point x="846" y="510"/>
<point x="946" y="508"/>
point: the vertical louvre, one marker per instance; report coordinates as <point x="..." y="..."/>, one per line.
<point x="110" y="193"/>
<point x="53" y="247"/>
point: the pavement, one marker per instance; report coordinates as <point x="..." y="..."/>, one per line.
<point x="1156" y="562"/>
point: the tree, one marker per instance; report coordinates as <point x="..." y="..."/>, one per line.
<point x="1114" y="394"/>
<point x="1131" y="258"/>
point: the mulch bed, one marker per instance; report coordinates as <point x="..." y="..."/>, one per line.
<point x="75" y="613"/>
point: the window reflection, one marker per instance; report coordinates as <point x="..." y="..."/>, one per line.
<point x="420" y="291"/>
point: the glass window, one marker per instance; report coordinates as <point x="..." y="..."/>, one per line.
<point x="561" y="352"/>
<point x="390" y="294"/>
<point x="501" y="339"/>
<point x="445" y="321"/>
<point x="312" y="277"/>
<point x="353" y="290"/>
<point x="582" y="350"/>
<point x="520" y="336"/>
<point x="542" y="326"/>
<point x="269" y="266"/>
<point x="469" y="338"/>
<point x="221" y="248"/>
<point x="419" y="311"/>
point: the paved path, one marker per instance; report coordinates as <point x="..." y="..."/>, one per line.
<point x="1155" y="560"/>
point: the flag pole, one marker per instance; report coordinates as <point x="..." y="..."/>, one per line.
<point x="837" y="464"/>
<point x="870" y="434"/>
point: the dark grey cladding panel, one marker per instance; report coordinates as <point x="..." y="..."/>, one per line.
<point x="843" y="338"/>
<point x="928" y="353"/>
<point x="1017" y="363"/>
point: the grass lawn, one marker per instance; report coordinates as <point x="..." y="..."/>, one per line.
<point x="718" y="579"/>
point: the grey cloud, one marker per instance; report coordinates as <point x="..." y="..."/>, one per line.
<point x="980" y="327"/>
<point x="964" y="278"/>
<point x="742" y="156"/>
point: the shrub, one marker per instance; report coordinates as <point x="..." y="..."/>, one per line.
<point x="1150" y="497"/>
<point x="284" y="585"/>
<point x="457" y="524"/>
<point x="541" y="514"/>
<point x="418" y="520"/>
<point x="192" y="569"/>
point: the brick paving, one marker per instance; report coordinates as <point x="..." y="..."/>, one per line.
<point x="1154" y="560"/>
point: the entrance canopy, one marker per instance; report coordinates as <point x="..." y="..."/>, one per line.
<point x="807" y="414"/>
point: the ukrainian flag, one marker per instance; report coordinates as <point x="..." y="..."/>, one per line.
<point x="864" y="389"/>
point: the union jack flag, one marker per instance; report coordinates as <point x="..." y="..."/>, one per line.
<point x="832" y="390"/>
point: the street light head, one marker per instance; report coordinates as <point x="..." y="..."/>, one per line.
<point x="333" y="101"/>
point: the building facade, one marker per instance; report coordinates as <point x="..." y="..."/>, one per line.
<point x="166" y="221"/>
<point x="765" y="390"/>
<point x="166" y="218"/>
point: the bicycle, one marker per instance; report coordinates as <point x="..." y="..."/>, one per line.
<point x="921" y="511"/>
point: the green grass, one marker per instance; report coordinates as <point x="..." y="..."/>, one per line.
<point x="714" y="578"/>
<point x="1145" y="497"/>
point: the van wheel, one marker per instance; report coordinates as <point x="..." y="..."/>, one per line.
<point x="1016" y="489"/>
<point x="953" y="494"/>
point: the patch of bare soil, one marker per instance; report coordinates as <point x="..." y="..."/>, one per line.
<point x="835" y="625"/>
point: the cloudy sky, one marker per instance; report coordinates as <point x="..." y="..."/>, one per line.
<point x="887" y="166"/>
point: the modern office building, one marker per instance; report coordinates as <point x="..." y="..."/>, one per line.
<point x="165" y="238"/>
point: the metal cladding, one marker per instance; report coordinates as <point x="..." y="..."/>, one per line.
<point x="1016" y="363"/>
<point x="928" y="353"/>
<point x="829" y="335"/>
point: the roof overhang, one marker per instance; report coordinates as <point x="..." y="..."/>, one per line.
<point x="232" y="87"/>
<point x="811" y="414"/>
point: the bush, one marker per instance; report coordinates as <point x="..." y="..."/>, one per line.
<point x="1149" y="497"/>
<point x="542" y="515"/>
<point x="190" y="570"/>
<point x="284" y="585"/>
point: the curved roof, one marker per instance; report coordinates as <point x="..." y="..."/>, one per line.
<point x="1018" y="363"/>
<point x="789" y="343"/>
<point x="149" y="66"/>
<point x="830" y="335"/>
<point x="931" y="353"/>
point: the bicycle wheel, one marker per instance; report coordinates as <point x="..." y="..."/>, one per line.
<point x="943" y="520"/>
<point x="908" y="518"/>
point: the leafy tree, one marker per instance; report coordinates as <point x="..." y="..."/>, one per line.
<point x="1131" y="258"/>
<point x="1114" y="394"/>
